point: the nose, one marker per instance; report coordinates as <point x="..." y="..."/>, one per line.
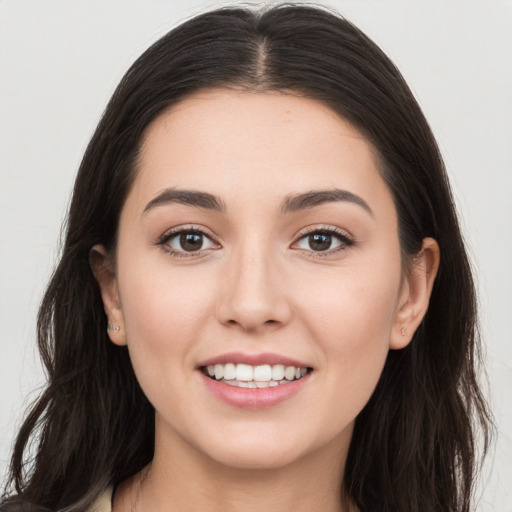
<point x="252" y="293"/>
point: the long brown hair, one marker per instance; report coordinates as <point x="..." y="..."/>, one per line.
<point x="414" y="443"/>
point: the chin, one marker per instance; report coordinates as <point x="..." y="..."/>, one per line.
<point x="267" y="450"/>
<point x="257" y="458"/>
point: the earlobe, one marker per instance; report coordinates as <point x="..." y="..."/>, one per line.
<point x="104" y="272"/>
<point x="415" y="294"/>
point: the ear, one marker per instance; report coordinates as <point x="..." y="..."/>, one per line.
<point x="104" y="271"/>
<point x="415" y="294"/>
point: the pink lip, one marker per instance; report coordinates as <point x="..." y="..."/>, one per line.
<point x="253" y="398"/>
<point x="253" y="360"/>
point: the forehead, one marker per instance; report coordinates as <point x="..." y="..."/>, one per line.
<point x="234" y="143"/>
<point x="211" y="114"/>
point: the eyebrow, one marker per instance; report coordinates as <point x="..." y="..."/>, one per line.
<point x="292" y="203"/>
<point x="307" y="200"/>
<point x="188" y="197"/>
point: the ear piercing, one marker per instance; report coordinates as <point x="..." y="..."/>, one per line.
<point x="113" y="328"/>
<point x="402" y="331"/>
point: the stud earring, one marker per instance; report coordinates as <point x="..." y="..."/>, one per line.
<point x="402" y="331"/>
<point x="113" y="328"/>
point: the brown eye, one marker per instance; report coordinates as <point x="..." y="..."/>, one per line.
<point x="181" y="242"/>
<point x="323" y="240"/>
<point x="320" y="241"/>
<point x="191" y="241"/>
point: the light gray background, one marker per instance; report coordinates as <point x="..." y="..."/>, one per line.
<point x="60" y="62"/>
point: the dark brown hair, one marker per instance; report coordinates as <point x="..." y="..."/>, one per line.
<point x="414" y="444"/>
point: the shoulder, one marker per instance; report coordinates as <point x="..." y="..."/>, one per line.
<point x="103" y="503"/>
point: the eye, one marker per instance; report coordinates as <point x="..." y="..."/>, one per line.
<point x="324" y="240"/>
<point x="184" y="242"/>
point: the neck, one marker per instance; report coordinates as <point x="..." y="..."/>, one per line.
<point x="181" y="478"/>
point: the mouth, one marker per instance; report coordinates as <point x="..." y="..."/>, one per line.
<point x="260" y="376"/>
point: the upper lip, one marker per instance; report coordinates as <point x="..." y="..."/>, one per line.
<point x="254" y="360"/>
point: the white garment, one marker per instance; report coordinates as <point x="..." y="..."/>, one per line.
<point x="103" y="503"/>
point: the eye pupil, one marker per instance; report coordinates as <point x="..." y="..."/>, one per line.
<point x="191" y="241"/>
<point x="320" y="241"/>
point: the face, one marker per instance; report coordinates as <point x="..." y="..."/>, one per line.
<point x="258" y="236"/>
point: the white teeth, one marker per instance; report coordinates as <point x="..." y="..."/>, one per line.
<point x="255" y="384"/>
<point x="244" y="372"/>
<point x="289" y="373"/>
<point x="261" y="376"/>
<point x="229" y="371"/>
<point x="278" y="372"/>
<point x="219" y="371"/>
<point x="263" y="373"/>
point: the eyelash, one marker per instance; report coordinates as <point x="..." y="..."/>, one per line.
<point x="172" y="233"/>
<point x="344" y="238"/>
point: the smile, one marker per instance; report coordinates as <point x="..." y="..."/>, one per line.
<point x="248" y="376"/>
<point x="254" y="381"/>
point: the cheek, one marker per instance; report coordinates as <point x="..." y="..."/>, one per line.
<point x="163" y="314"/>
<point x="155" y="296"/>
<point x="352" y="321"/>
<point x="352" y="307"/>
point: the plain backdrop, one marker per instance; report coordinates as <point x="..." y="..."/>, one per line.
<point x="61" y="60"/>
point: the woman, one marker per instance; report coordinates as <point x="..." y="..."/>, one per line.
<point x="263" y="301"/>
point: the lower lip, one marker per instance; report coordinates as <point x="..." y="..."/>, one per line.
<point x="254" y="398"/>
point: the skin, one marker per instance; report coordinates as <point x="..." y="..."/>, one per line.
<point x="257" y="286"/>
